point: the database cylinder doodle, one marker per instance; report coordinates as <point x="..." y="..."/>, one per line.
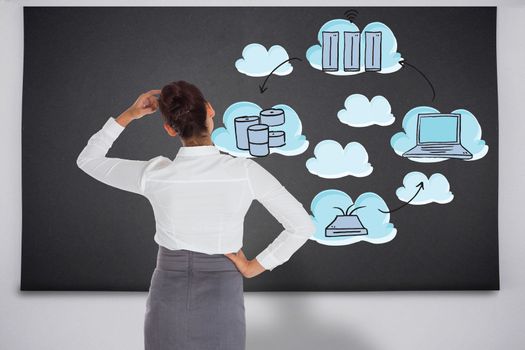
<point x="241" y="130"/>
<point x="251" y="131"/>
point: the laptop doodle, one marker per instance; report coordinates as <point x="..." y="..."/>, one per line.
<point x="438" y="136"/>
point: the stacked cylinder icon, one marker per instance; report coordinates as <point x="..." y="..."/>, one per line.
<point x="253" y="133"/>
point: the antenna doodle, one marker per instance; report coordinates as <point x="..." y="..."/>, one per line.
<point x="351" y="15"/>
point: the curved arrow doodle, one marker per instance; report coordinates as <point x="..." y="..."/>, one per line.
<point x="262" y="88"/>
<point x="421" y="187"/>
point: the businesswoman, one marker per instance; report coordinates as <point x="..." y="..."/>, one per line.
<point x="199" y="199"/>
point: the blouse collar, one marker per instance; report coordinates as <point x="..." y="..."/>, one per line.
<point x="190" y="151"/>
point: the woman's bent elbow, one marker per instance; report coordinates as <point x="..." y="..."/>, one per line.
<point x="309" y="228"/>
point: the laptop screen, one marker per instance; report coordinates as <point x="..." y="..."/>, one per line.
<point x="438" y="129"/>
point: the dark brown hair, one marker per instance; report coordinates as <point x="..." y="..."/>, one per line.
<point x="184" y="108"/>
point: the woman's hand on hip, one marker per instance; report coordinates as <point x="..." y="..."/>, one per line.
<point x="248" y="268"/>
<point x="146" y="103"/>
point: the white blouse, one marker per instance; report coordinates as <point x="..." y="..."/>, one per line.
<point x="200" y="197"/>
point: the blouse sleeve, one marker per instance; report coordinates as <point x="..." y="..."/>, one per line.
<point x="124" y="174"/>
<point x="297" y="223"/>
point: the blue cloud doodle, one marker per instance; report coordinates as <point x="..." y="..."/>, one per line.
<point x="256" y="61"/>
<point x="435" y="189"/>
<point x="470" y="134"/>
<point x="390" y="58"/>
<point x="224" y="137"/>
<point x="331" y="161"/>
<point x="380" y="230"/>
<point x="361" y="112"/>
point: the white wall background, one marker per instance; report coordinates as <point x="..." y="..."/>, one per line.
<point x="361" y="321"/>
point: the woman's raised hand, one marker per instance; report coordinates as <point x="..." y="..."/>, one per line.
<point x="248" y="268"/>
<point x="146" y="103"/>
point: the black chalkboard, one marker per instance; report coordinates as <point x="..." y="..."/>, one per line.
<point x="83" y="65"/>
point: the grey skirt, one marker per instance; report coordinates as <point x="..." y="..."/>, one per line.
<point x="195" y="302"/>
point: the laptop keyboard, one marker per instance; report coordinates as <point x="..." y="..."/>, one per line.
<point x="440" y="148"/>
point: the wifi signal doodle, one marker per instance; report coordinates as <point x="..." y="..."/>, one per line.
<point x="351" y="15"/>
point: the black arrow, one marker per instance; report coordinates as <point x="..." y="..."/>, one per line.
<point x="262" y="88"/>
<point x="403" y="63"/>
<point x="421" y="187"/>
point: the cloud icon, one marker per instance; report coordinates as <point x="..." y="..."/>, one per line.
<point x="360" y="112"/>
<point x="256" y="61"/>
<point x="470" y="135"/>
<point x="331" y="161"/>
<point x="379" y="228"/>
<point x="389" y="58"/>
<point x="225" y="140"/>
<point x="424" y="190"/>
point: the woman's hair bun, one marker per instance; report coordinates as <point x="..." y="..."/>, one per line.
<point x="184" y="108"/>
<point x="173" y="98"/>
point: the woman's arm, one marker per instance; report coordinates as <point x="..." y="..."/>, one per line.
<point x="124" y="174"/>
<point x="297" y="223"/>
